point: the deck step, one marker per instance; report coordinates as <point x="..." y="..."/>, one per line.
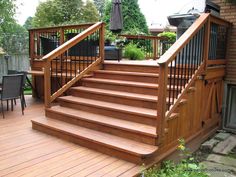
<point x="133" y="99"/>
<point x="145" y="112"/>
<point x="118" y="85"/>
<point x="136" y="131"/>
<point x="132" y="67"/>
<point x="127" y="76"/>
<point x="129" y="150"/>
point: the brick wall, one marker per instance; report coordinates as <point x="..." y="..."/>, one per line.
<point x="228" y="12"/>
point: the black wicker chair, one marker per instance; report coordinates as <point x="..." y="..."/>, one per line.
<point x="12" y="89"/>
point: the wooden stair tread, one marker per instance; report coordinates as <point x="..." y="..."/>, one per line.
<point x="111" y="106"/>
<point x="134" y="63"/>
<point x="127" y="73"/>
<point x="120" y="82"/>
<point x="121" y="144"/>
<point x="105" y="120"/>
<point x="116" y="93"/>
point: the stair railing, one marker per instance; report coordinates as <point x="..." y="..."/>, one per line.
<point x="67" y="64"/>
<point x="185" y="60"/>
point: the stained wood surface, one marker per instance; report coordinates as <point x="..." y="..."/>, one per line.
<point x="26" y="152"/>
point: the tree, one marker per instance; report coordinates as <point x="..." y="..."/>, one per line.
<point x="28" y="23"/>
<point x="12" y="35"/>
<point x="57" y="12"/>
<point x="6" y="14"/>
<point x="90" y="13"/>
<point x="133" y="20"/>
<point x="100" y="5"/>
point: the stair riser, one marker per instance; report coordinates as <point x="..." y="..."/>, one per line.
<point x="135" y="78"/>
<point x="133" y="68"/>
<point x="112" y="113"/>
<point x="131" y="89"/>
<point x="103" y="148"/>
<point x="103" y="128"/>
<point x="115" y="99"/>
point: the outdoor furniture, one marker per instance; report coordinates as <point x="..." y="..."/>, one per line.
<point x="25" y="78"/>
<point x="11" y="89"/>
<point x="112" y="53"/>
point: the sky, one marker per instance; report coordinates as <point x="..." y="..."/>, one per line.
<point x="155" y="11"/>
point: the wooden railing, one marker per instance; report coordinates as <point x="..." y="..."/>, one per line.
<point x="44" y="40"/>
<point x="200" y="46"/>
<point x="152" y="46"/>
<point x="69" y="62"/>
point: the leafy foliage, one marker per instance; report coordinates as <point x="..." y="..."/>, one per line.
<point x="12" y="35"/>
<point x="100" y="5"/>
<point x="188" y="166"/>
<point x="134" y="21"/>
<point x="6" y="15"/>
<point x="56" y="12"/>
<point x="171" y="36"/>
<point x="133" y="52"/>
<point x="231" y="1"/>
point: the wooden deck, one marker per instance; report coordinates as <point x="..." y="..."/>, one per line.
<point x="26" y="152"/>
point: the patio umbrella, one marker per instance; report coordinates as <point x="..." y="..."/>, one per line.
<point x="116" y="21"/>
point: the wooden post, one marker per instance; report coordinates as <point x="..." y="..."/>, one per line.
<point x="61" y="35"/>
<point x="101" y="42"/>
<point x="207" y="32"/>
<point x="47" y="84"/>
<point x="155" y="48"/>
<point x="161" y="102"/>
<point x="31" y="47"/>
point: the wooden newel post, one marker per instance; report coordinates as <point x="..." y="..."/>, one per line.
<point x="161" y="102"/>
<point x="155" y="49"/>
<point x="101" y="41"/>
<point x="47" y="84"/>
<point x="206" y="46"/>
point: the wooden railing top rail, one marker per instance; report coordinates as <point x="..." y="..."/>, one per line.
<point x="170" y="54"/>
<point x="70" y="43"/>
<point x="141" y="36"/>
<point x="63" y="26"/>
<point x="219" y="21"/>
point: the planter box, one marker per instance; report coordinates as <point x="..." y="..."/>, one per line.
<point x="112" y="53"/>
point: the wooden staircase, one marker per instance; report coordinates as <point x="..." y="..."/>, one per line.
<point x="113" y="112"/>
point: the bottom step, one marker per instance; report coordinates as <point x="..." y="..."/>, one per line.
<point x="126" y="149"/>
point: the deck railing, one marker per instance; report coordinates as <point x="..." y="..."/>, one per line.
<point x="152" y="46"/>
<point x="203" y="44"/>
<point x="69" y="62"/>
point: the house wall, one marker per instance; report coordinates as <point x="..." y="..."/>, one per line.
<point x="228" y="12"/>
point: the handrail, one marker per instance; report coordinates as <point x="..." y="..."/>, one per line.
<point x="75" y="58"/>
<point x="62" y="26"/>
<point x="183" y="40"/>
<point x="68" y="44"/>
<point x="185" y="60"/>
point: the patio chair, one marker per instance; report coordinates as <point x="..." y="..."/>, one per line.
<point x="10" y="72"/>
<point x="11" y="89"/>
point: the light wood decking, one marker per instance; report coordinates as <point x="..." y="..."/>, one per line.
<point x="27" y="152"/>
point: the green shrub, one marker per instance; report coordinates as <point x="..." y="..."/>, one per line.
<point x="231" y="1"/>
<point x="133" y="52"/>
<point x="187" y="167"/>
<point x="171" y="36"/>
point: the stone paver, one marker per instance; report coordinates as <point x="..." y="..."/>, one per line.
<point x="225" y="147"/>
<point x="225" y="160"/>
<point x="222" y="136"/>
<point x="219" y="170"/>
<point x="208" y="145"/>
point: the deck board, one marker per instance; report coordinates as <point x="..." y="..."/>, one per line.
<point x="26" y="152"/>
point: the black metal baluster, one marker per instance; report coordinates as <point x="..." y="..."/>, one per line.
<point x="169" y="76"/>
